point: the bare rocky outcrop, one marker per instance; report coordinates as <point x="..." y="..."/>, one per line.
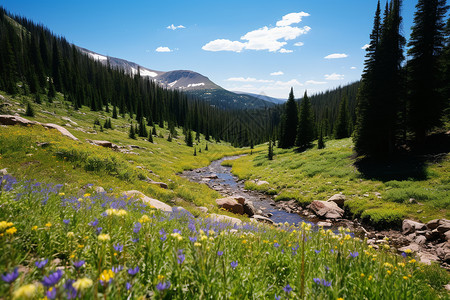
<point x="326" y="210"/>
<point x="225" y="219"/>
<point x="262" y="219"/>
<point x="249" y="209"/>
<point x="339" y="199"/>
<point x="16" y="120"/>
<point x="153" y="202"/>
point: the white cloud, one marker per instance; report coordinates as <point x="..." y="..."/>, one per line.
<point x="292" y="18"/>
<point x="224" y="45"/>
<point x="313" y="82"/>
<point x="173" y="27"/>
<point x="292" y="82"/>
<point x="336" y="55"/>
<point x="163" y="49"/>
<point x="353" y="68"/>
<point x="365" y="46"/>
<point x="274" y="88"/>
<point x="334" y="76"/>
<point x="248" y="79"/>
<point x="299" y="44"/>
<point x="272" y="39"/>
<point x="277" y="73"/>
<point x="269" y="38"/>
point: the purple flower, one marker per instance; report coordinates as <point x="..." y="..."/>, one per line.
<point x="219" y="253"/>
<point x="162" y="232"/>
<point x="354" y="254"/>
<point x="163" y="238"/>
<point x="94" y="223"/>
<point x="181" y="258"/>
<point x="99" y="230"/>
<point x="135" y="240"/>
<point x="11" y="277"/>
<point x="137" y="227"/>
<point x="51" y="294"/>
<point x="287" y="288"/>
<point x="128" y="286"/>
<point x="163" y="286"/>
<point x="323" y="282"/>
<point x="276" y="245"/>
<point x="40" y="264"/>
<point x="177" y="231"/>
<point x="317" y="251"/>
<point x="277" y="297"/>
<point x="52" y="279"/>
<point x="134" y="271"/>
<point x="66" y="221"/>
<point x="234" y="264"/>
<point x="118" y="247"/>
<point x="193" y="239"/>
<point x="78" y="264"/>
<point x="404" y="255"/>
<point x="117" y="269"/>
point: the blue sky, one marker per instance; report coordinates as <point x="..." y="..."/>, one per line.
<point x="250" y="46"/>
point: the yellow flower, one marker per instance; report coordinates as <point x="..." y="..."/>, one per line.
<point x="81" y="246"/>
<point x="25" y="292"/>
<point x="362" y="275"/>
<point x="144" y="219"/>
<point x="4" y="225"/>
<point x="347" y="237"/>
<point x="70" y="234"/>
<point x="401" y="264"/>
<point x="86" y="195"/>
<point x="121" y="213"/>
<point x="340" y="298"/>
<point x="389" y="272"/>
<point x="106" y="275"/>
<point x="203" y="237"/>
<point x="211" y="238"/>
<point x="265" y="241"/>
<point x="11" y="230"/>
<point x="408" y="251"/>
<point x="412" y="261"/>
<point x="370" y="277"/>
<point x="82" y="284"/>
<point x="386" y="247"/>
<point x="197" y="244"/>
<point x="110" y="211"/>
<point x="160" y="278"/>
<point x="388" y="265"/>
<point x="61" y="194"/>
<point x="244" y="242"/>
<point x="104" y="237"/>
<point x="34" y="228"/>
<point x="48" y="225"/>
<point x="405" y="277"/>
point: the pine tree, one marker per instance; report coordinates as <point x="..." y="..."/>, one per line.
<point x="342" y="127"/>
<point x="150" y="137"/>
<point x="37" y="98"/>
<point x="425" y="85"/>
<point x="114" y="114"/>
<point x="132" y="134"/>
<point x="30" y="111"/>
<point x="142" y="128"/>
<point x="305" y="131"/>
<point x="289" y="123"/>
<point x="189" y="139"/>
<point x="154" y="131"/>
<point x="270" y="150"/>
<point x="320" y="142"/>
<point x="206" y="147"/>
<point x="197" y="136"/>
<point x="195" y="151"/>
<point x="169" y="137"/>
<point x="51" y="92"/>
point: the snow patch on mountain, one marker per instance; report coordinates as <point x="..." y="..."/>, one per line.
<point x="196" y="84"/>
<point x="173" y="83"/>
<point x="98" y="56"/>
<point x="148" y="73"/>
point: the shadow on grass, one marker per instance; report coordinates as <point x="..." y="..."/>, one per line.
<point x="408" y="165"/>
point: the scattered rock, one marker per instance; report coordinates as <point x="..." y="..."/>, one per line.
<point x="410" y="226"/>
<point x="160" y="184"/>
<point x="3" y="171"/>
<point x="262" y="219"/>
<point x="412" y="201"/>
<point x="327" y="210"/>
<point x="43" y="145"/>
<point x="153" y="202"/>
<point x="105" y="144"/>
<point x="231" y="204"/>
<point x="433" y="224"/>
<point x="324" y="224"/>
<point x="16" y="120"/>
<point x="427" y="258"/>
<point x="212" y="176"/>
<point x="61" y="129"/>
<point x="249" y="209"/>
<point x="413" y="247"/>
<point x="339" y="199"/>
<point x="225" y="219"/>
<point x="99" y="190"/>
<point x="260" y="182"/>
<point x="203" y="209"/>
<point x="421" y="240"/>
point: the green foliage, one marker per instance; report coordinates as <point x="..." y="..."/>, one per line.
<point x="343" y="123"/>
<point x="132" y="133"/>
<point x="188" y="139"/>
<point x="30" y="110"/>
<point x="305" y="130"/>
<point x="289" y="123"/>
<point x="270" y="150"/>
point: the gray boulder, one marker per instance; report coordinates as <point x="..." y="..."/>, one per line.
<point x="326" y="210"/>
<point x="339" y="199"/>
<point x="249" y="209"/>
<point x="231" y="204"/>
<point x="262" y="219"/>
<point x="410" y="226"/>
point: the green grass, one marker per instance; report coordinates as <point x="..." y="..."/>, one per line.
<point x="319" y="174"/>
<point x="79" y="163"/>
<point x="40" y="222"/>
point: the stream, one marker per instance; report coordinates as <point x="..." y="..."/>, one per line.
<point x="220" y="178"/>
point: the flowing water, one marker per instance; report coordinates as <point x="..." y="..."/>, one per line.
<point x="221" y="179"/>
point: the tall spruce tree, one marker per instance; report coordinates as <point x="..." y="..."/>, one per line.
<point x="289" y="124"/>
<point x="446" y="76"/>
<point x="189" y="139"/>
<point x="425" y="85"/>
<point x="342" y="127"/>
<point x="132" y="133"/>
<point x="305" y="130"/>
<point x="381" y="90"/>
<point x="114" y="114"/>
<point x="270" y="150"/>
